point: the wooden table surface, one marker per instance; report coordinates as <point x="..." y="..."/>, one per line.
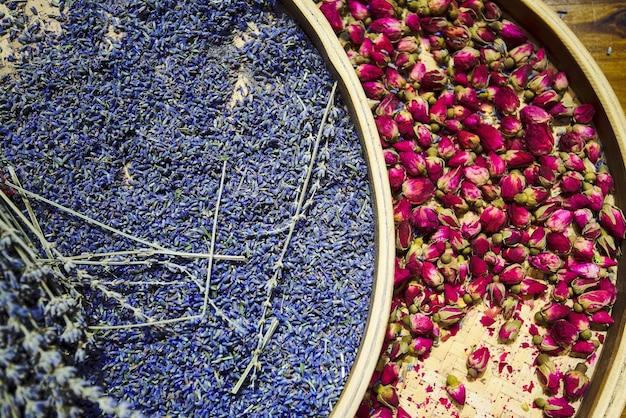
<point x="601" y="27"/>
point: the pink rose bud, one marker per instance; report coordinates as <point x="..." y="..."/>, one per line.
<point x="510" y="306"/>
<point x="547" y="99"/>
<point x="506" y="100"/>
<point x="419" y="324"/>
<point x="571" y="142"/>
<point x="538" y="238"/>
<point x="584" y="113"/>
<point x="533" y="114"/>
<point x="431" y="274"/>
<point x="512" y="184"/>
<point x="418" y="108"/>
<point x="358" y="10"/>
<point x="563" y="332"/>
<point x="480" y="77"/>
<point x="512" y="274"/>
<point x="553" y="312"/>
<point x="477" y="362"/>
<point x="434" y="80"/>
<point x="476" y="175"/>
<point x="412" y="21"/>
<point x="559" y="243"/>
<point x="540" y="60"/>
<point x="404" y="235"/>
<point x="465" y="59"/>
<point x="583" y="349"/>
<point x="519" y="76"/>
<point x="595" y="300"/>
<point x="571" y="182"/>
<point x="421" y="346"/>
<point x="560" y="291"/>
<point x="520" y="54"/>
<point x="356" y="32"/>
<point x="413" y="163"/>
<point x="540" y="82"/>
<point x="562" y="110"/>
<point x="425" y="219"/>
<point x="375" y="90"/>
<point x="593" y="150"/>
<point x="381" y="8"/>
<point x="467" y="140"/>
<point x="386" y="395"/>
<point x="451" y="180"/>
<point x="583" y="249"/>
<point x="519" y="216"/>
<point x="586" y="270"/>
<point x="390" y="373"/>
<point x="461" y="158"/>
<point x="390" y="26"/>
<point x="518" y="158"/>
<point x="555" y="407"/>
<point x="601" y="319"/>
<point x="546" y="262"/>
<point x="369" y="72"/>
<point x="559" y="220"/>
<point x="539" y="138"/>
<point x="547" y="345"/>
<point x="388" y="106"/>
<point x="491" y="11"/>
<point x="548" y="374"/>
<point x="482" y="35"/>
<point x="605" y="182"/>
<point x="532" y="287"/>
<point x="448" y="315"/>
<point x="560" y="82"/>
<point x="490" y="138"/>
<point x="418" y="190"/>
<point x="493" y="219"/>
<point x="477" y="288"/>
<point x="331" y="11"/>
<point x="396" y="177"/>
<point x="579" y="320"/>
<point x="576" y="382"/>
<point x="509" y="331"/>
<point x="511" y="33"/>
<point x="455" y="389"/>
<point x="387" y="128"/>
<point x="448" y="217"/>
<point x="612" y="219"/>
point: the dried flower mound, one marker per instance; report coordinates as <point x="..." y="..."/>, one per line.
<point x="455" y="389"/>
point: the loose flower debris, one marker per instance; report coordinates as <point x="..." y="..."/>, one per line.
<point x="119" y="121"/>
<point x="507" y="233"/>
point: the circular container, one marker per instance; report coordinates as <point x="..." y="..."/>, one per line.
<point x="605" y="398"/>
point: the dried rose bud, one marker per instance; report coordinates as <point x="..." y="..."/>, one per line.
<point x="559" y="220"/>
<point x="467" y="140"/>
<point x="358" y="10"/>
<point x="560" y="82"/>
<point x="560" y="291"/>
<point x="595" y="300"/>
<point x="477" y="362"/>
<point x="539" y="138"/>
<point x="375" y="90"/>
<point x="387" y="128"/>
<point x="547" y="99"/>
<point x="559" y="243"/>
<point x="434" y="80"/>
<point x="510" y="306"/>
<point x="509" y="330"/>
<point x="540" y="82"/>
<point x="533" y="114"/>
<point x="331" y="11"/>
<point x="586" y="270"/>
<point x="512" y="184"/>
<point x="612" y="219"/>
<point x="401" y="210"/>
<point x="490" y="138"/>
<point x="455" y="389"/>
<point x="511" y="33"/>
<point x="482" y="35"/>
<point x="431" y="274"/>
<point x="584" y="113"/>
<point x="390" y="373"/>
<point x="571" y="142"/>
<point x="448" y="315"/>
<point x="579" y="320"/>
<point x="583" y="349"/>
<point x="553" y="312"/>
<point x="404" y="235"/>
<point x="493" y="219"/>
<point x="386" y="395"/>
<point x="496" y="292"/>
<point x="448" y="217"/>
<point x="412" y="21"/>
<point x="593" y="150"/>
<point x="480" y="77"/>
<point x="390" y="26"/>
<point x="530" y="287"/>
<point x="563" y="332"/>
<point x="548" y="374"/>
<point x="421" y="346"/>
<point x="369" y="72"/>
<point x="396" y="177"/>
<point x="388" y="106"/>
<point x="576" y="382"/>
<point x="418" y="190"/>
<point x="506" y="100"/>
<point x="512" y="274"/>
<point x="521" y="53"/>
<point x="555" y="407"/>
<point x="425" y="219"/>
<point x="478" y="286"/>
<point x="546" y="262"/>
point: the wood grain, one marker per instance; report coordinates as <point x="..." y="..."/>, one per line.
<point x="601" y="27"/>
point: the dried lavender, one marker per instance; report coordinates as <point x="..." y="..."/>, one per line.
<point x="135" y="137"/>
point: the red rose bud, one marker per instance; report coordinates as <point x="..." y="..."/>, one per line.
<point x="477" y="362"/>
<point x="562" y="110"/>
<point x="480" y="77"/>
<point x="548" y="374"/>
<point x="519" y="77"/>
<point x="593" y="150"/>
<point x="553" y="312"/>
<point x="451" y="180"/>
<point x="520" y="54"/>
<point x="547" y="99"/>
<point x="576" y="382"/>
<point x="490" y="138"/>
<point x="356" y="32"/>
<point x="368" y="72"/>
<point x="421" y="346"/>
<point x="509" y="331"/>
<point x="413" y="163"/>
<point x="431" y="275"/>
<point x="571" y="142"/>
<point x="546" y="262"/>
<point x="381" y="8"/>
<point x="456" y="38"/>
<point x="434" y="80"/>
<point x="559" y="243"/>
<point x="540" y="60"/>
<point x="583" y="249"/>
<point x="386" y="395"/>
<point x="331" y="11"/>
<point x="465" y="59"/>
<point x="560" y="82"/>
<point x="555" y="407"/>
<point x="380" y="412"/>
<point x="419" y="324"/>
<point x="512" y="274"/>
<point x="477" y="288"/>
<point x="358" y="10"/>
<point x="571" y="182"/>
<point x="425" y="219"/>
<point x="540" y="82"/>
<point x="511" y="33"/>
<point x="506" y="100"/>
<point x="396" y="177"/>
<point x="388" y="106"/>
<point x="390" y="373"/>
<point x="389" y="26"/>
<point x="559" y="220"/>
<point x="404" y="235"/>
<point x="401" y="210"/>
<point x="605" y="182"/>
<point x="496" y="292"/>
<point x="375" y="90"/>
<point x="455" y="389"/>
<point x="612" y="219"/>
<point x="563" y="333"/>
<point x="539" y="138"/>
<point x="586" y="270"/>
<point x="530" y="287"/>
<point x="595" y="300"/>
<point x="583" y="349"/>
<point x="493" y="219"/>
<point x="560" y="291"/>
<point x="584" y="113"/>
<point x="579" y="320"/>
<point x="448" y="315"/>
<point x="532" y="114"/>
<point x="512" y="184"/>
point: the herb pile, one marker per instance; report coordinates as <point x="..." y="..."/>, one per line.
<point x="501" y="192"/>
<point x="126" y="115"/>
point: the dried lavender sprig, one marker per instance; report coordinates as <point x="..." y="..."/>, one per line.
<point x="207" y="282"/>
<point x="148" y="252"/>
<point x="273" y="282"/>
